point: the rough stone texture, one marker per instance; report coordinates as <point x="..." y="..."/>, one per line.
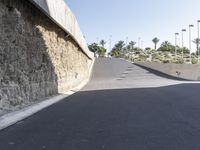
<point x="64" y="17"/>
<point x="184" y="71"/>
<point x="37" y="60"/>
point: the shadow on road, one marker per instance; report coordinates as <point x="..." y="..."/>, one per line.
<point x="141" y="118"/>
<point x="158" y="73"/>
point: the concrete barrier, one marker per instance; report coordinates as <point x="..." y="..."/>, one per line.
<point x="60" y="13"/>
<point x="184" y="71"/>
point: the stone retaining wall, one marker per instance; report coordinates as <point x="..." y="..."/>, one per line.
<point x="37" y="58"/>
<point x="61" y="14"/>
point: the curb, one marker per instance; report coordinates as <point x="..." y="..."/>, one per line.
<point x="16" y="116"/>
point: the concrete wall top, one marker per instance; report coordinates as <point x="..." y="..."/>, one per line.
<point x="61" y="14"/>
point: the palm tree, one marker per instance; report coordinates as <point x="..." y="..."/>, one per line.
<point x="132" y="44"/>
<point x="166" y="43"/>
<point x="155" y="41"/>
<point x="197" y="42"/>
<point x="117" y="50"/>
<point x="120" y="45"/>
<point x="102" y="42"/>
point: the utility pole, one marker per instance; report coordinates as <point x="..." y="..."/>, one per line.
<point x="176" y="34"/>
<point x="110" y="43"/>
<point x="183" y="30"/>
<point x="190" y="26"/>
<point x="198" y="21"/>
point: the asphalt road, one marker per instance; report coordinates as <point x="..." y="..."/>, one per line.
<point x="124" y="107"/>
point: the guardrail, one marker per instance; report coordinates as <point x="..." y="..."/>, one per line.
<point x="60" y="13"/>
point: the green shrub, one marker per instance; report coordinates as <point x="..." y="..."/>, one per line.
<point x="194" y="60"/>
<point x="166" y="61"/>
<point x="180" y="61"/>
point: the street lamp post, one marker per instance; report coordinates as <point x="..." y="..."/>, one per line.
<point x="142" y="42"/>
<point x="190" y="26"/>
<point x="183" y="30"/>
<point x="98" y="40"/>
<point x="110" y="43"/>
<point x="126" y="45"/>
<point x="198" y="21"/>
<point x="139" y="42"/>
<point x="176" y="44"/>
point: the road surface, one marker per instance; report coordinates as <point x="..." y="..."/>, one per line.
<point x="123" y="107"/>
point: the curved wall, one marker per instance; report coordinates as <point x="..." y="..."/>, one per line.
<point x="184" y="71"/>
<point x="61" y="14"/>
<point x="37" y="58"/>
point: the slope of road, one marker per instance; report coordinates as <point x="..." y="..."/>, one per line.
<point x="123" y="107"/>
<point x="111" y="73"/>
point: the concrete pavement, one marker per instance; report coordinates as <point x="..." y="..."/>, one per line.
<point x="123" y="107"/>
<point x="110" y="73"/>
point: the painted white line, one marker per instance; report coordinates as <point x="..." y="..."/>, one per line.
<point x="14" y="117"/>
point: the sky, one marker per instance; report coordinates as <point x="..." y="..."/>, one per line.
<point x="136" y="20"/>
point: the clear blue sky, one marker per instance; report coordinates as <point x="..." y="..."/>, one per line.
<point x="98" y="19"/>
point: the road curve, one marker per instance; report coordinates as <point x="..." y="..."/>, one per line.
<point x="123" y="107"/>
